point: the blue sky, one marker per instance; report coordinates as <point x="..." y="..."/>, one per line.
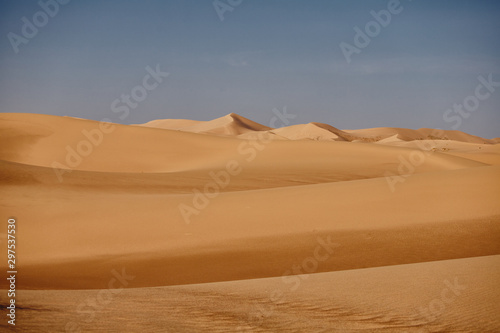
<point x="265" y="54"/>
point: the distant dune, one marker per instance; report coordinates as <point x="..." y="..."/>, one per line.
<point x="233" y="124"/>
<point x="377" y="213"/>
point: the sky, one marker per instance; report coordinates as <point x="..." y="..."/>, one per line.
<point x="408" y="69"/>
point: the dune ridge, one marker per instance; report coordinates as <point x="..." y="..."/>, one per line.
<point x="234" y="124"/>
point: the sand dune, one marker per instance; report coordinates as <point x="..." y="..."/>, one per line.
<point x="443" y="296"/>
<point x="172" y="124"/>
<point x="485" y="153"/>
<point x="236" y="125"/>
<point x="243" y="224"/>
<point x="75" y="144"/>
<point x="419" y="134"/>
<point x="231" y="124"/>
<point x="177" y="202"/>
<point x="312" y="131"/>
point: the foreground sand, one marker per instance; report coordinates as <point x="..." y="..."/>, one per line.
<point x="176" y="202"/>
<point x="458" y="295"/>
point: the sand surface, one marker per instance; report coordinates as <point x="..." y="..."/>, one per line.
<point x="212" y="218"/>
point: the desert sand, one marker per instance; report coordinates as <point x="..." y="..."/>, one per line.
<point x="230" y="225"/>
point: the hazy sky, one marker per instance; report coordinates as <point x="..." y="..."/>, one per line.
<point x="265" y="54"/>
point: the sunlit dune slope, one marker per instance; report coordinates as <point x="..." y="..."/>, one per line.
<point x="431" y="216"/>
<point x="231" y="124"/>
